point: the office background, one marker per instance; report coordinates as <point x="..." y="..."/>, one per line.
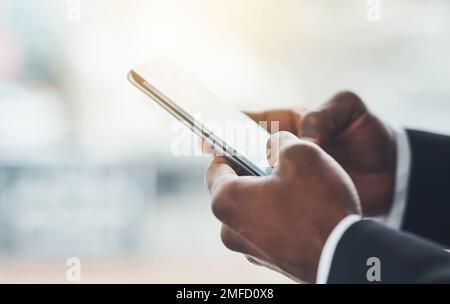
<point x="86" y="168"/>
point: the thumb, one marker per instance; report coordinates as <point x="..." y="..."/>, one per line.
<point x="333" y="117"/>
<point x="278" y="119"/>
<point x="278" y="142"/>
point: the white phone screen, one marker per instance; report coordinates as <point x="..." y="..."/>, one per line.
<point x="216" y="121"/>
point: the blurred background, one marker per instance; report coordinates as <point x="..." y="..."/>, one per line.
<point x="85" y="164"/>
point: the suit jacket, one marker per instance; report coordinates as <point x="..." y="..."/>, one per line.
<point x="415" y="254"/>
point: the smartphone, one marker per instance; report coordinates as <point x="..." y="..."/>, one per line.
<point x="225" y="129"/>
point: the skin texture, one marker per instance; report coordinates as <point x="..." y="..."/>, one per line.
<point x="343" y="164"/>
<point x="360" y="142"/>
<point x="282" y="221"/>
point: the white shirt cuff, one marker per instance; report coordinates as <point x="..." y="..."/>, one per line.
<point x="326" y="257"/>
<point x="394" y="218"/>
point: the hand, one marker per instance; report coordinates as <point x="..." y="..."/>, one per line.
<point x="282" y="221"/>
<point x="362" y="144"/>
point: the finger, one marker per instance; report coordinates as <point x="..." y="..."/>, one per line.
<point x="231" y="194"/>
<point x="233" y="241"/>
<point x="236" y="242"/>
<point x="340" y="112"/>
<point x="220" y="179"/>
<point x="253" y="260"/>
<point x="218" y="173"/>
<point x="277" y="120"/>
<point x="276" y="143"/>
<point x="206" y="148"/>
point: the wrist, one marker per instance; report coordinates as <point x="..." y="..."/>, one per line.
<point x="318" y="245"/>
<point x="394" y="216"/>
<point x="329" y="248"/>
<point x="391" y="181"/>
<point x="378" y="190"/>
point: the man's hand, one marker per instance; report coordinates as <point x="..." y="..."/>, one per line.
<point x="283" y="221"/>
<point x="362" y="144"/>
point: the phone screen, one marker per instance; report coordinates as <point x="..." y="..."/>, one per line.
<point x="226" y="129"/>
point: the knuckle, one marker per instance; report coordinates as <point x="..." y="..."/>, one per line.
<point x="219" y="206"/>
<point x="300" y="153"/>
<point x="309" y="151"/>
<point x="345" y="94"/>
<point x="313" y="118"/>
<point x="222" y="201"/>
<point x="290" y="153"/>
<point x="229" y="239"/>
<point x="350" y="99"/>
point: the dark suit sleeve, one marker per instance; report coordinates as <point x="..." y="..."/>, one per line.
<point x="427" y="212"/>
<point x="403" y="258"/>
<point x="413" y="255"/>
